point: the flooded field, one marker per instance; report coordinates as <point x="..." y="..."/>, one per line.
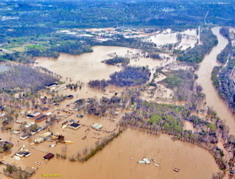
<point x="88" y="66"/>
<point x="119" y="160"/>
<point x="188" y="38"/>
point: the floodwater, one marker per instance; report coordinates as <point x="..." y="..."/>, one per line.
<point x="88" y="66"/>
<point x="119" y="160"/>
<point x="164" y="38"/>
<point x="189" y="38"/>
<point x="204" y="79"/>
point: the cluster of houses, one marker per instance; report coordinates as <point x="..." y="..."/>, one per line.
<point x="106" y="34"/>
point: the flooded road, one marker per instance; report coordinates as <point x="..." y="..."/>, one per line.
<point x="119" y="160"/>
<point x="204" y="79"/>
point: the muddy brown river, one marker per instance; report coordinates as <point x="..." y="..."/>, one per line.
<point x="204" y="75"/>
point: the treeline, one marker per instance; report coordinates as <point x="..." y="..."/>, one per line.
<point x="225" y="86"/>
<point x="196" y="54"/>
<point x="17" y="57"/>
<point x="72" y="48"/>
<point x="214" y="76"/>
<point x="117" y="60"/>
<point x="129" y="76"/>
<point x="223" y="77"/>
<point x="98" y="84"/>
<point x="42" y="53"/>
<point x="164" y="118"/>
<point x="222" y="57"/>
<point x="52" y="51"/>
<point x="24" y="78"/>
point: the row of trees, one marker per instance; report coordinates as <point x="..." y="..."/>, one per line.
<point x="223" y="56"/>
<point x="222" y="77"/>
<point x="117" y="60"/>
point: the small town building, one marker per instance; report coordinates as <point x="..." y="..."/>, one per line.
<point x="23" y="154"/>
<point x="74" y="125"/>
<point x="44" y="109"/>
<point x="48" y="156"/>
<point x="41" y="118"/>
<point x="39" y="140"/>
<point x="97" y="126"/>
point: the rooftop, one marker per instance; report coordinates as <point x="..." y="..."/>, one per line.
<point x="74" y="125"/>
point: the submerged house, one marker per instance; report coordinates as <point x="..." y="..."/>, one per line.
<point x="74" y="125"/>
<point x="41" y="118"/>
<point x="48" y="156"/>
<point x="97" y="126"/>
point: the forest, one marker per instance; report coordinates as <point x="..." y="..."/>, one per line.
<point x="130" y="76"/>
<point x="23" y="78"/>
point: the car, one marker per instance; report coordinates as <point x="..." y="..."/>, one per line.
<point x="71" y="121"/>
<point x="15" y="132"/>
<point x="32" y="123"/>
<point x="19" y="122"/>
<point x="27" y="126"/>
<point x="41" y="128"/>
<point x="33" y="132"/>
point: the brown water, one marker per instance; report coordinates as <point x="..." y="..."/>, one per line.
<point x="88" y="66"/>
<point x="114" y="161"/>
<point x="119" y="160"/>
<point x="204" y="75"/>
